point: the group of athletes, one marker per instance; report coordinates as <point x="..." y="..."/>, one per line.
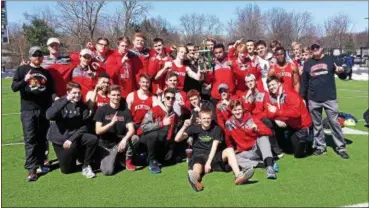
<point x="224" y="108"/>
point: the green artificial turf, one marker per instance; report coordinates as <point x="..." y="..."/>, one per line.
<point x="315" y="181"/>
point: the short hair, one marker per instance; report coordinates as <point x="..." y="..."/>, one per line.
<point x="124" y="39"/>
<point x="306" y="49"/>
<point x="231" y="44"/>
<point x="196" y="47"/>
<point x="103" y="75"/>
<point x="206" y="111"/>
<point x="140" y="35"/>
<point x="190" y="44"/>
<point x="271" y="78"/>
<point x="211" y="40"/>
<point x="241" y="48"/>
<point x="114" y="88"/>
<point x="275" y="43"/>
<point x="182" y="46"/>
<point x="219" y="45"/>
<point x="280" y="49"/>
<point x="102" y="38"/>
<point x="170" y="75"/>
<point x="72" y="85"/>
<point x="234" y="103"/>
<point x="294" y="44"/>
<point x="170" y="90"/>
<point x="192" y="93"/>
<point x="249" y="40"/>
<point x="260" y="42"/>
<point x="157" y="40"/>
<point x="145" y="76"/>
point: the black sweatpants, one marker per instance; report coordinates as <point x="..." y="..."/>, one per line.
<point x="156" y="143"/>
<point x="35" y="126"/>
<point x="67" y="157"/>
<point x="295" y="141"/>
<point x="272" y="139"/>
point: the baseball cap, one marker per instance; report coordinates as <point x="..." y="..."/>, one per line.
<point x="52" y="40"/>
<point x="86" y="51"/>
<point x="34" y="49"/>
<point x="223" y="86"/>
<point x="316" y="44"/>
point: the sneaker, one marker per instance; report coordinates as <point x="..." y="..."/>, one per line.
<point x="280" y="155"/>
<point x="32" y="177"/>
<point x="46" y="162"/>
<point x="270" y="173"/>
<point x="129" y="165"/>
<point x="276" y="167"/>
<point x="194" y="181"/>
<point x="344" y="154"/>
<point x="87" y="171"/>
<point x="244" y="175"/>
<point x="42" y="170"/>
<point x="319" y="151"/>
<point x="154" y="167"/>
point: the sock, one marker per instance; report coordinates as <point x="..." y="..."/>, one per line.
<point x="268" y="161"/>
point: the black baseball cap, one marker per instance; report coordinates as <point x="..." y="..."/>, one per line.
<point x="315" y="46"/>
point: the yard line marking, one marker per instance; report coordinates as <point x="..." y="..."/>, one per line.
<point x="8" y="114"/>
<point x="354" y="97"/>
<point x="13" y="144"/>
<point x="352" y="90"/>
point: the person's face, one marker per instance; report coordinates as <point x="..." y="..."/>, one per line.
<point x="144" y="84"/>
<point x="210" y="45"/>
<point x="76" y="94"/>
<point x="224" y="94"/>
<point x="250" y="82"/>
<point x="169" y="99"/>
<point x="123" y="47"/>
<point x="181" y="54"/>
<point x="241" y="56"/>
<point x="158" y="47"/>
<point x="196" y="53"/>
<point x="115" y="97"/>
<point x="261" y="49"/>
<point x="37" y="58"/>
<point x="195" y="101"/>
<point x="191" y="51"/>
<point x="297" y="51"/>
<point x="138" y="42"/>
<point x="250" y="47"/>
<point x="273" y="87"/>
<point x="305" y="56"/>
<point x="280" y="56"/>
<point x="172" y="82"/>
<point x="53" y="48"/>
<point x="205" y="119"/>
<point x="104" y="83"/>
<point x="237" y="111"/>
<point x="219" y="53"/>
<point x="86" y="59"/>
<point x="102" y="46"/>
<point x="317" y="51"/>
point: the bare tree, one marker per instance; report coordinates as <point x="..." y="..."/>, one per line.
<point x="133" y="12"/>
<point x="337" y="29"/>
<point x="279" y="25"/>
<point x="302" y="25"/>
<point x="361" y="39"/>
<point x="80" y="18"/>
<point x="18" y="45"/>
<point x="248" y="23"/>
<point x="196" y="27"/>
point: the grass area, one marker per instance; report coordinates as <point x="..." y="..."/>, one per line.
<point x="314" y="181"/>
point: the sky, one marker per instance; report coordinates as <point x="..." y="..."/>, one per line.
<point x="225" y="11"/>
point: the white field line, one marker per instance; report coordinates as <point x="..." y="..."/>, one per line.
<point x="13" y="144"/>
<point x="359" y="205"/>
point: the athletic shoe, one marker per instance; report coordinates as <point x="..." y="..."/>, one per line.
<point x="344" y="154"/>
<point x="319" y="151"/>
<point x="32" y="177"/>
<point x="276" y="167"/>
<point x="87" y="171"/>
<point x="280" y="155"/>
<point x="129" y="165"/>
<point x="194" y="181"/>
<point x="244" y="175"/>
<point x="154" y="167"/>
<point x="46" y="162"/>
<point x="42" y="170"/>
<point x="270" y="173"/>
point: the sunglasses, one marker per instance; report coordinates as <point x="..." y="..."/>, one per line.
<point x="170" y="98"/>
<point x="88" y="57"/>
<point x="223" y="90"/>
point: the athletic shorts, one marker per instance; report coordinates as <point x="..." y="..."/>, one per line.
<point x="216" y="165"/>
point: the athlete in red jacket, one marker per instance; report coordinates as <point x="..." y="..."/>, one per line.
<point x="99" y="96"/>
<point x="250" y="138"/>
<point x="287" y="109"/>
<point x="158" y="129"/>
<point x="141" y="52"/>
<point x="222" y="110"/>
<point x="120" y="67"/>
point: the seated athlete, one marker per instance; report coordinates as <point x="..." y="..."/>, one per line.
<point x="99" y="96"/>
<point x="209" y="152"/>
